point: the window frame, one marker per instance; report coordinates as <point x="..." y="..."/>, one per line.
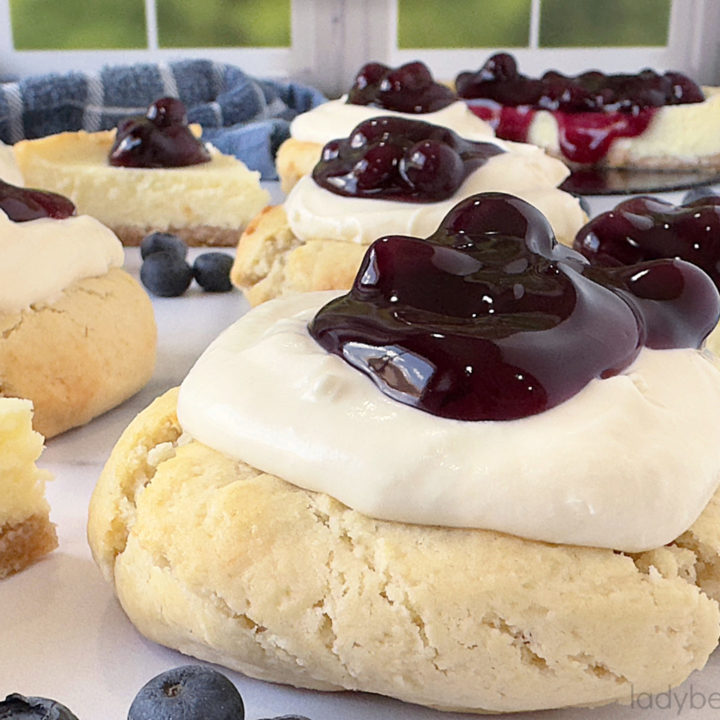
<point x="331" y="39"/>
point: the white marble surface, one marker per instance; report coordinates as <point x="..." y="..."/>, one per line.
<point x="63" y="635"/>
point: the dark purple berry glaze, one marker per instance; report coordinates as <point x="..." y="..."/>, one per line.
<point x="393" y="158"/>
<point x="591" y="91"/>
<point x="23" y="204"/>
<point x="646" y="228"/>
<point x="491" y="319"/>
<point x="409" y="88"/>
<point x="159" y="139"/>
<point x="592" y="109"/>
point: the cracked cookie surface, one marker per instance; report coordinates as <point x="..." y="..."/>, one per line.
<point x="221" y="561"/>
<point x="81" y="355"/>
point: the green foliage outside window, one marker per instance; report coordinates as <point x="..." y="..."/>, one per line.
<point x="506" y="23"/>
<point x="463" y="23"/>
<point x="608" y="23"/>
<point x="78" y="24"/>
<point x="224" y="23"/>
<point x="110" y="24"/>
<point x="94" y="24"/>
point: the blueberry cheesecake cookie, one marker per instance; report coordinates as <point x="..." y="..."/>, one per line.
<point x="391" y="175"/>
<point x="408" y="493"/>
<point x="77" y="332"/>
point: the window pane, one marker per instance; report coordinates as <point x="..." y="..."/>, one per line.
<point x="471" y="23"/>
<point x="78" y="24"/>
<point x="583" y="23"/>
<point x="223" y="23"/>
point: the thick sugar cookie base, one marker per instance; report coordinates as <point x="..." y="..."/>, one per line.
<point x="221" y="561"/>
<point x="81" y="355"/>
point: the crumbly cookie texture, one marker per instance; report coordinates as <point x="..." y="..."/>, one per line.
<point x="294" y="159"/>
<point x="270" y="261"/>
<point x="23" y="543"/>
<point x="221" y="561"/>
<point x="81" y="355"/>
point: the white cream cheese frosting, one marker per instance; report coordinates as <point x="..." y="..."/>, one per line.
<point x="337" y="119"/>
<point x="628" y="463"/>
<point x="525" y="171"/>
<point x="40" y="258"/>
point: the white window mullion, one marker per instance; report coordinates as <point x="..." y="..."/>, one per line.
<point x="534" y="41"/>
<point x="151" y="26"/>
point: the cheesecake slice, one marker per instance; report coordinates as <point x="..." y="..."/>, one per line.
<point x="205" y="204"/>
<point x="644" y="120"/>
<point x="26" y="532"/>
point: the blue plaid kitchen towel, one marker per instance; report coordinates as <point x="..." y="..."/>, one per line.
<point x="241" y="115"/>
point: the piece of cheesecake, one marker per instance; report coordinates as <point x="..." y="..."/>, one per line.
<point x="26" y="532"/>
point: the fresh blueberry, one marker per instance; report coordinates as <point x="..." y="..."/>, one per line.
<point x="288" y="717"/>
<point x="166" y="274"/>
<point x="19" y="707"/>
<point x="189" y="692"/>
<point x="698" y="193"/>
<point x="162" y="241"/>
<point x="212" y="271"/>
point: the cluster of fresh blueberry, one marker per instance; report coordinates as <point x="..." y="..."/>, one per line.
<point x="165" y="271"/>
<point x="593" y="91"/>
<point x="189" y="692"/>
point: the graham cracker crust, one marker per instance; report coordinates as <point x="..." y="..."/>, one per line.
<point x="25" y="542"/>
<point x="199" y="236"/>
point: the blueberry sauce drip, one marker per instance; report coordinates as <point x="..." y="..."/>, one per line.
<point x="23" y="204"/>
<point x="394" y="158"/>
<point x="159" y="139"/>
<point x="592" y="109"/>
<point x="491" y="319"/>
<point x="409" y="88"/>
<point x="647" y="228"/>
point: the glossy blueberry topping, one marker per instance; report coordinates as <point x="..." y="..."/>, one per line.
<point x="591" y="91"/>
<point x="159" y="139"/>
<point x="591" y="109"/>
<point x="491" y="319"/>
<point x="395" y="158"/>
<point x="409" y="88"/>
<point x="23" y="204"/>
<point x="211" y="270"/>
<point x="189" y="692"/>
<point x="19" y="707"/>
<point x="647" y="228"/>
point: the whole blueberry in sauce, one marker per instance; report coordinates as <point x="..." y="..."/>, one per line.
<point x="409" y="88"/>
<point x="159" y="139"/>
<point x="591" y="109"/>
<point x="23" y="204"/>
<point x="647" y="228"/>
<point x="394" y="158"/>
<point x="491" y="319"/>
